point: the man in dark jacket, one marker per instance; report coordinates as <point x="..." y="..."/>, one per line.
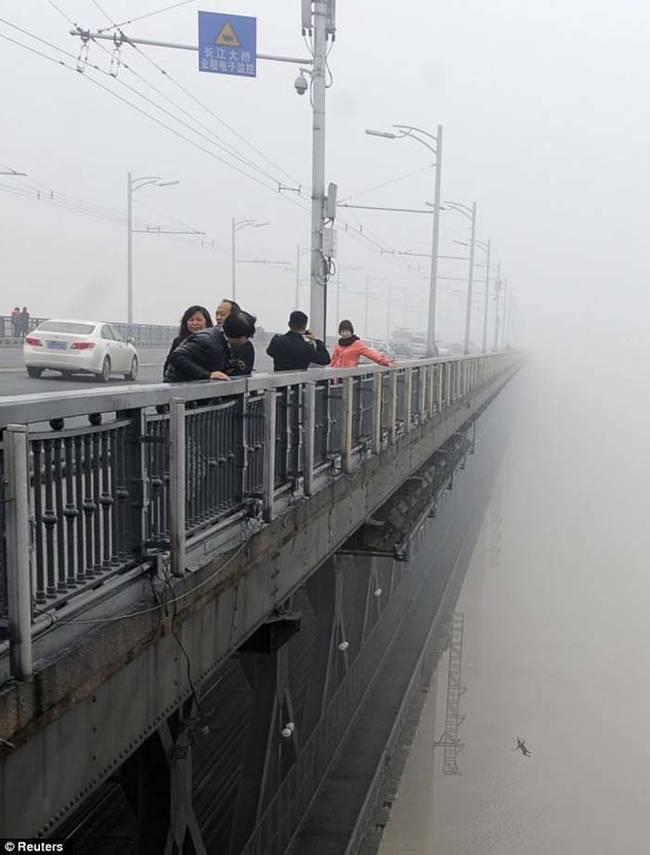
<point x="297" y="349"/>
<point x="206" y="355"/>
<point x="242" y="359"/>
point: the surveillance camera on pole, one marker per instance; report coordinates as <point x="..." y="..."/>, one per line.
<point x="301" y="84"/>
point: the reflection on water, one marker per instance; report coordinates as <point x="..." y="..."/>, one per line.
<point x="557" y="638"/>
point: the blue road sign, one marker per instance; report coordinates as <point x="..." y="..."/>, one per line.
<point x="227" y="44"/>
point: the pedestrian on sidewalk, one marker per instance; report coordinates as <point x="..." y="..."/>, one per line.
<point x="24" y="322"/>
<point x="299" y="348"/>
<point x="15" y="322"/>
<point x="350" y="349"/>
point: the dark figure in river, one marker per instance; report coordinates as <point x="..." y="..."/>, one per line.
<point x="521" y="746"/>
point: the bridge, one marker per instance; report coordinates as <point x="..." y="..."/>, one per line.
<point x="221" y="603"/>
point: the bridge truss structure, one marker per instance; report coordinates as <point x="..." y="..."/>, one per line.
<point x="449" y="741"/>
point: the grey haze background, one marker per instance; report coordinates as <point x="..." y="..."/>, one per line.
<point x="546" y="123"/>
<point x="545" y="108"/>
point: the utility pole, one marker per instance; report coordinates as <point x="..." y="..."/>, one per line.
<point x="388" y="314"/>
<point x="129" y="252"/>
<point x="470" y="282"/>
<point x="134" y="184"/>
<point x="507" y="311"/>
<point x="237" y="225"/>
<point x="365" y="319"/>
<point x="338" y="293"/>
<point x="497" y="310"/>
<point x="433" y="273"/>
<point x="297" y="300"/>
<point x="434" y="146"/>
<point x="487" y="293"/>
<point x="234" y="285"/>
<point x="318" y="279"/>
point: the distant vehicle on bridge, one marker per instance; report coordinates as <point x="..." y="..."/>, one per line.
<point x="408" y="343"/>
<point x="79" y="347"/>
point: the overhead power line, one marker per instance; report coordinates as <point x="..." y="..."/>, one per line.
<point x="358" y="234"/>
<point x="219" y="142"/>
<point x="395" y="180"/>
<point x="147" y="15"/>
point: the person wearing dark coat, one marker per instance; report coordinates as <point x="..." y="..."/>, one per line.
<point x="297" y="349"/>
<point x="195" y="319"/>
<point x="243" y="358"/>
<point x="24" y="322"/>
<point x="205" y="355"/>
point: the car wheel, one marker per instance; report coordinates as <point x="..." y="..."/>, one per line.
<point x="105" y="375"/>
<point x="133" y="373"/>
<point x="34" y="372"/>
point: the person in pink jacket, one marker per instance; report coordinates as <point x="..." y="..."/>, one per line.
<point x="350" y="349"/>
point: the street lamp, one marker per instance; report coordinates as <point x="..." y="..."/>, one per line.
<point x="134" y="184"/>
<point x="486" y="247"/>
<point x="497" y="308"/>
<point x="409" y="132"/>
<point x="470" y="214"/>
<point x="368" y="294"/>
<point x="238" y="225"/>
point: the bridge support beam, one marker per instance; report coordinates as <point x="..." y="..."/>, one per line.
<point x="157" y="780"/>
<point x="273" y="741"/>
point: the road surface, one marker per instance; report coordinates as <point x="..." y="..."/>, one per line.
<point x="14" y="379"/>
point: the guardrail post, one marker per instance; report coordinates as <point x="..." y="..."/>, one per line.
<point x="433" y="373"/>
<point x="392" y="413"/>
<point x="424" y="387"/>
<point x="139" y="481"/>
<point x="19" y="593"/>
<point x="348" y="416"/>
<point x="408" y="399"/>
<point x="269" y="453"/>
<point x="177" y="484"/>
<point x="377" y="384"/>
<point x="309" y="424"/>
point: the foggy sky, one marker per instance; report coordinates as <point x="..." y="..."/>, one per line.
<point x="544" y="107"/>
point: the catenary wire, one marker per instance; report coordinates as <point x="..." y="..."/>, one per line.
<point x="146" y="15"/>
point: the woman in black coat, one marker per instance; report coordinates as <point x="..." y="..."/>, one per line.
<point x="206" y="355"/>
<point x="195" y="319"/>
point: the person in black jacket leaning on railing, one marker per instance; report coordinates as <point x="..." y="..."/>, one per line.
<point x="297" y="349"/>
<point x="243" y="358"/>
<point x="195" y="319"/>
<point x="207" y="355"/>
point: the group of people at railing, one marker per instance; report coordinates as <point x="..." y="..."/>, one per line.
<point x="19" y="322"/>
<point x="204" y="350"/>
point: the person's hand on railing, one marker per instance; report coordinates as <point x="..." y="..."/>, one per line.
<point x="219" y="375"/>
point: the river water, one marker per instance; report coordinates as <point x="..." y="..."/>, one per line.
<point x="557" y="635"/>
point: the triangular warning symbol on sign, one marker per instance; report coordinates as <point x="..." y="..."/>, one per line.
<point x="227" y="36"/>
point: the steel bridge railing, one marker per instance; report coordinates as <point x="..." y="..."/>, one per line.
<point x="95" y="485"/>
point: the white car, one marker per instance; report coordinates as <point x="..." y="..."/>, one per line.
<point x="72" y="347"/>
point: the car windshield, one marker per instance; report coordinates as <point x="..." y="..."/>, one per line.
<point x="67" y="327"/>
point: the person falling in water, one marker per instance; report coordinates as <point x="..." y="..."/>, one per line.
<point x="521" y="746"/>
